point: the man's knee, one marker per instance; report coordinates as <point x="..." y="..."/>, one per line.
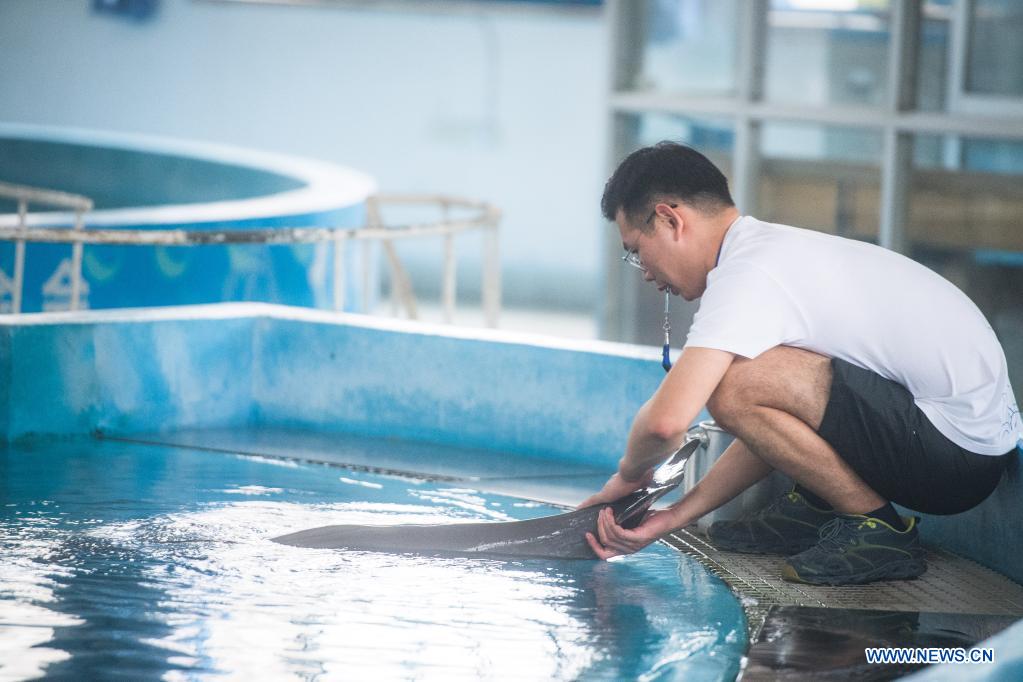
<point x="732" y="397"/>
<point x="786" y="378"/>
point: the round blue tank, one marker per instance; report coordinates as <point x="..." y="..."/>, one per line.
<point x="146" y="183"/>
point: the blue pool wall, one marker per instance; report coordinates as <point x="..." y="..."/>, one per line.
<point x="147" y="183"/>
<point x="249" y="365"/>
<point x="252" y="365"/>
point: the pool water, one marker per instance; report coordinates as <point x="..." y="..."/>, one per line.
<point x="142" y="561"/>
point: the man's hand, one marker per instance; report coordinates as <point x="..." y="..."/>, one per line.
<point x="615" y="488"/>
<point x="613" y="540"/>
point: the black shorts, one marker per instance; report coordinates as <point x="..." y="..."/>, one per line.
<point x="875" y="426"/>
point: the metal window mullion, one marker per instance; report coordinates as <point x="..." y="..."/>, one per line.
<point x="625" y="41"/>
<point x="902" y="63"/>
<point x="1003" y="106"/>
<point x="1005" y="127"/>
<point x="896" y="171"/>
<point x="897" y="146"/>
<point x="752" y="46"/>
<point x="969" y="126"/>
<point x="616" y="308"/>
<point x="958" y="102"/>
<point x="952" y="147"/>
<point x="959" y="98"/>
<point x="958" y="48"/>
<point x="746" y="163"/>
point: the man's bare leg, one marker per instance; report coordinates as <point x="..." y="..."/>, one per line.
<point x="774" y="404"/>
<point x="735" y="470"/>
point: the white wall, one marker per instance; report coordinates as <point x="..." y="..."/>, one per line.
<point x="502" y="105"/>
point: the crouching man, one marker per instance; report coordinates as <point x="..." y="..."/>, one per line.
<point x="861" y="374"/>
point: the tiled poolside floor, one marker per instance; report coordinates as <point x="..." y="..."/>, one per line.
<point x="952" y="584"/>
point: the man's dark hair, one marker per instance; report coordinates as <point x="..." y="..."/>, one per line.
<point x="667" y="169"/>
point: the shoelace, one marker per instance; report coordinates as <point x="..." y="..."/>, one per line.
<point x="834" y="533"/>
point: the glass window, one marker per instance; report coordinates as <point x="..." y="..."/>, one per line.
<point x="827" y="52"/>
<point x="688" y="46"/>
<point x="821" y="177"/>
<point x="964" y="223"/>
<point x="995" y="59"/>
<point x="993" y="156"/>
<point x="973" y="204"/>
<point x="713" y="138"/>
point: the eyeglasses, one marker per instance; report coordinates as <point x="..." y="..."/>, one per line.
<point x="632" y="258"/>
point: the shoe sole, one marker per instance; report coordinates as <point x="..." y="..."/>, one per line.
<point x="902" y="570"/>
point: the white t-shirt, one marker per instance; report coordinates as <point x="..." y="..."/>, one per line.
<point x="779" y="285"/>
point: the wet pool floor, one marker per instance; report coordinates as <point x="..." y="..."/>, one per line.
<point x="811" y="632"/>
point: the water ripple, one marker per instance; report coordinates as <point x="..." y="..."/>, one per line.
<point x="170" y="573"/>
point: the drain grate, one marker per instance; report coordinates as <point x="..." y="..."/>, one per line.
<point x="952" y="584"/>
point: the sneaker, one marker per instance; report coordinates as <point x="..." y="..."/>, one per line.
<point x="788" y="525"/>
<point x="855" y="549"/>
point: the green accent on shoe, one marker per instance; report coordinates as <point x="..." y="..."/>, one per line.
<point x="854" y="549"/>
<point x="788" y="525"/>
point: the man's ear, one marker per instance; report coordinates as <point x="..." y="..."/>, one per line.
<point x="665" y="210"/>
<point x="678" y="223"/>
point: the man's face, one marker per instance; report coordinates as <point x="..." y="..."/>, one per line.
<point x="662" y="252"/>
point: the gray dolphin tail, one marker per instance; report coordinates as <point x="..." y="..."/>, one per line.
<point x="553" y="537"/>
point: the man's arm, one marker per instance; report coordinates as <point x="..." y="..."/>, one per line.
<point x="661" y="424"/>
<point x="657" y="431"/>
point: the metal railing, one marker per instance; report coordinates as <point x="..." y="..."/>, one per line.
<point x="24" y="196"/>
<point x="482" y="216"/>
<point x="486" y="218"/>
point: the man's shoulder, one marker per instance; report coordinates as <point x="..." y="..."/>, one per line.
<point x="753" y="241"/>
<point x="749" y="230"/>
<point x="756" y="227"/>
<point x="760" y="239"/>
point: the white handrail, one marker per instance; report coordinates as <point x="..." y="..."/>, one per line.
<point x="25" y="195"/>
<point x="37" y="195"/>
<point x="485" y="217"/>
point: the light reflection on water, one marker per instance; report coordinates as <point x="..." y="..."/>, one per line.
<point x="166" y="570"/>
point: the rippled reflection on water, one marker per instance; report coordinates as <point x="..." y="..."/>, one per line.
<point x="152" y="562"/>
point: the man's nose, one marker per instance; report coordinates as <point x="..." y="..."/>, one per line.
<point x="647" y="276"/>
